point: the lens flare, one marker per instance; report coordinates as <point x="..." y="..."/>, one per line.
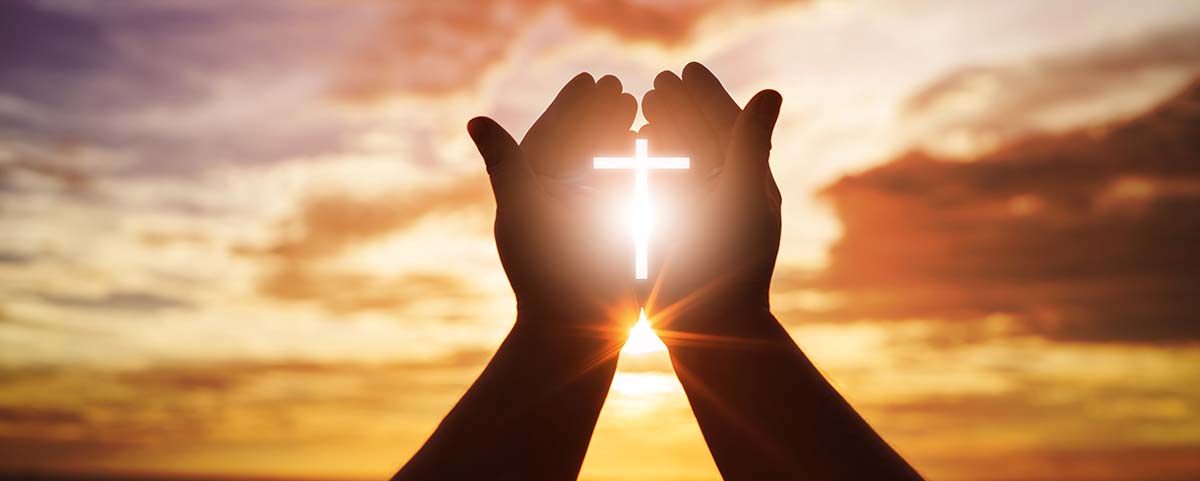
<point x="642" y="338"/>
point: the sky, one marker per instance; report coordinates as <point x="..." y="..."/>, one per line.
<point x="254" y="238"/>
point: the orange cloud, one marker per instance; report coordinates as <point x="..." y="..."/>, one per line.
<point x="164" y="415"/>
<point x="1085" y="236"/>
<point x="350" y="292"/>
<point x="436" y="47"/>
<point x="328" y="225"/>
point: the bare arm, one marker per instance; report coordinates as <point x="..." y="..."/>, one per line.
<point x="767" y="413"/>
<point x="530" y="415"/>
<point x="765" y="410"/>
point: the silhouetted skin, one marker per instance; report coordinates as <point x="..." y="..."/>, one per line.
<point x="765" y="411"/>
<point x="531" y="413"/>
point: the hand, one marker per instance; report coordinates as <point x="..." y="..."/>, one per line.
<point x="718" y="272"/>
<point x="551" y="232"/>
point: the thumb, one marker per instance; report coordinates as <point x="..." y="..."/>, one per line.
<point x="511" y="178"/>
<point x="750" y="142"/>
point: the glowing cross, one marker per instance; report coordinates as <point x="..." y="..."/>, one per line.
<point x="641" y="163"/>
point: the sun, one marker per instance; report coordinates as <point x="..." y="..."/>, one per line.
<point x="642" y="338"/>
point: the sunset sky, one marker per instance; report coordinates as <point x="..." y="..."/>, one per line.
<point x="254" y="238"/>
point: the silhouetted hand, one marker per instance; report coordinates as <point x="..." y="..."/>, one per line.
<point x="558" y="252"/>
<point x="765" y="410"/>
<point x="719" y="269"/>
<point x="531" y="413"/>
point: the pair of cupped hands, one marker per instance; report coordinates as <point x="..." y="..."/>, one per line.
<point x="572" y="275"/>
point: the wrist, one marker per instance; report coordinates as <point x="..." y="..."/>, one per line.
<point x="604" y="319"/>
<point x="581" y="332"/>
<point x="726" y="325"/>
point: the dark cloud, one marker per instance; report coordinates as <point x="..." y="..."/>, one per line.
<point x="1085" y="236"/>
<point x="142" y="78"/>
<point x="436" y="47"/>
<point x="116" y="300"/>
<point x="113" y="58"/>
<point x="246" y="401"/>
<point x="10" y="415"/>
<point x="16" y="258"/>
<point x="998" y="103"/>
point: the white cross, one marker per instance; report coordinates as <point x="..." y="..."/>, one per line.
<point x="641" y="163"/>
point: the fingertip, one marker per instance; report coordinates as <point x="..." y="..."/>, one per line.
<point x="770" y="98"/>
<point x="666" y="79"/>
<point x="582" y="77"/>
<point x="628" y="99"/>
<point x="492" y="140"/>
<point x="576" y="85"/>
<point x="648" y="96"/>
<point x="479" y="126"/>
<point x="695" y="70"/>
<point x="609" y="84"/>
<point x="771" y="102"/>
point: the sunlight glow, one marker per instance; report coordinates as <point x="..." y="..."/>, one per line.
<point x="641" y="164"/>
<point x="642" y="338"/>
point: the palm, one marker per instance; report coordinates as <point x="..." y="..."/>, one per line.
<point x="724" y="254"/>
<point x="549" y="228"/>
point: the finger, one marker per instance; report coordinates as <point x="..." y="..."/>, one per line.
<point x="718" y="107"/>
<point x="654" y="109"/>
<point x="750" y="143"/>
<point x="513" y="183"/>
<point x="662" y="124"/>
<point x="691" y="126"/>
<point x="544" y="140"/>
<point x="593" y="127"/>
<point x="612" y="126"/>
<point x="610" y="112"/>
<point x="613" y="137"/>
<point x="608" y="85"/>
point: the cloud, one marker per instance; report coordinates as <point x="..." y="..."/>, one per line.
<point x="331" y="224"/>
<point x="438" y="47"/>
<point x="9" y="415"/>
<point x="66" y="167"/>
<point x="977" y="108"/>
<point x="16" y="258"/>
<point x="136" y="301"/>
<point x="327" y="224"/>
<point x="176" y="87"/>
<point x="187" y="404"/>
<point x="1085" y="236"/>
<point x="343" y="292"/>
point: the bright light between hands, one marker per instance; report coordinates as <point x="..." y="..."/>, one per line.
<point x="642" y="338"/>
<point x="641" y="164"/>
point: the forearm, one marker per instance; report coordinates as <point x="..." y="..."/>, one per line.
<point x="767" y="412"/>
<point x="529" y="416"/>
